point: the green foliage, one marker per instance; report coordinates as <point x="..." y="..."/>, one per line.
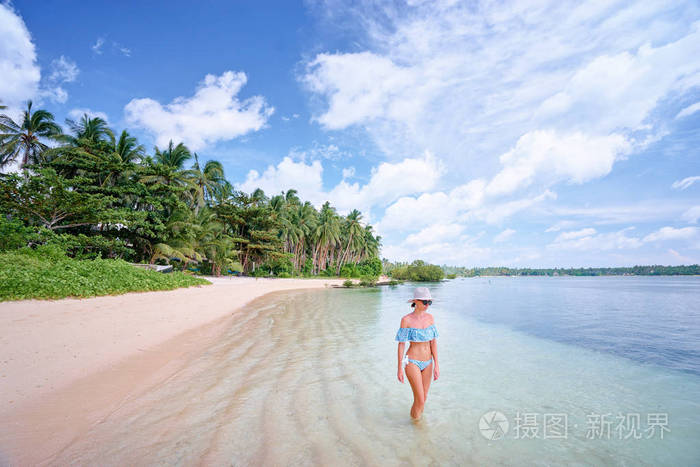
<point x="368" y="281"/>
<point x="418" y="271"/>
<point x="347" y="283"/>
<point x="14" y="234"/>
<point x="261" y="271"/>
<point x="47" y="273"/>
<point x="99" y="195"/>
<point x="452" y="276"/>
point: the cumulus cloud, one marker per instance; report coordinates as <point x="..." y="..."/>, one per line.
<point x="387" y="182"/>
<point x="552" y="157"/>
<point x="18" y="68"/>
<point x="214" y="113"/>
<point x="685" y="183"/>
<point x="471" y="81"/>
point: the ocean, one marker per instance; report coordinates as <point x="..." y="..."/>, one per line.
<point x="534" y="371"/>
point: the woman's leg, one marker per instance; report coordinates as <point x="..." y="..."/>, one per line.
<point x="427" y="377"/>
<point x="414" y="377"/>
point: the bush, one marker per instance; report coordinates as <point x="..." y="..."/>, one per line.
<point x="452" y="276"/>
<point x="418" y="271"/>
<point x="47" y="273"/>
<point x="347" y="283"/>
<point x="261" y="271"/>
<point x="368" y="281"/>
<point x="349" y="270"/>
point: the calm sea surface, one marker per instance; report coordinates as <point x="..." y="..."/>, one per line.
<point x="534" y="371"/>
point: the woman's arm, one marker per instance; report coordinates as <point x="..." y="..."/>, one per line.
<point x="399" y="374"/>
<point x="433" y="350"/>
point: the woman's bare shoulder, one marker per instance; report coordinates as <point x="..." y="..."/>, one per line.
<point x="405" y="321"/>
<point x="432" y="320"/>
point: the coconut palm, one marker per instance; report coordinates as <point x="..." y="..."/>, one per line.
<point x="127" y="147"/>
<point x="354" y="231"/>
<point x="166" y="167"/>
<point x="92" y="130"/>
<point x="207" y="182"/>
<point x="326" y="235"/>
<point x="27" y="138"/>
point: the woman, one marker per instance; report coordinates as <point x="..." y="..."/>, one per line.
<point x="420" y="361"/>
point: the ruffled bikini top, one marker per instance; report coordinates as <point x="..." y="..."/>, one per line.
<point x="417" y="334"/>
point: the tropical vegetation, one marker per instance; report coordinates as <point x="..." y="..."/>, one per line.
<point x="99" y="194"/>
<point x="418" y="270"/>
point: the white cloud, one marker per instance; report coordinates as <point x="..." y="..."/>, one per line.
<point x="348" y="172"/>
<point x="63" y="70"/>
<point x="503" y="236"/>
<point x="645" y="211"/>
<point x="436" y="233"/>
<point x="77" y="114"/>
<point x="121" y="49"/>
<point x="303" y="177"/>
<point x="685" y="183"/>
<point x="387" y="182"/>
<point x="468" y="81"/>
<point x="213" y="114"/>
<point x="691" y="109"/>
<point x="563" y="224"/>
<point x="575" y="234"/>
<point x="547" y="155"/>
<point x="692" y="215"/>
<point x="18" y="68"/>
<point x="97" y="46"/>
<point x="590" y="241"/>
<point x="670" y="233"/>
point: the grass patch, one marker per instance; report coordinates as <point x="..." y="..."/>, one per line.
<point x="47" y="273"/>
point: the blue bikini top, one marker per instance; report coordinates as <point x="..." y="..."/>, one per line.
<point x="417" y="334"/>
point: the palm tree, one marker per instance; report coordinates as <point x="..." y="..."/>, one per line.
<point x="327" y="235"/>
<point x="167" y="166"/>
<point x="28" y="137"/>
<point x="127" y="148"/>
<point x="354" y="231"/>
<point x="206" y="183"/>
<point x="91" y="129"/>
<point x="174" y="156"/>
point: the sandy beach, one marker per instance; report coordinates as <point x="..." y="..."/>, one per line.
<point x="67" y="363"/>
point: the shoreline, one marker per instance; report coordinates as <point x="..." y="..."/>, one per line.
<point x="68" y="363"/>
<point x="46" y="344"/>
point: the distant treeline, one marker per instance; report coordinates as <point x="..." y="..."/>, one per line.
<point x="655" y="270"/>
<point x="417" y="271"/>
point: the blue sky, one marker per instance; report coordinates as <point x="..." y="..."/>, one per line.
<point x="526" y="134"/>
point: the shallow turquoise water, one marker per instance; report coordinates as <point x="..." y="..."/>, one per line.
<point x="309" y="377"/>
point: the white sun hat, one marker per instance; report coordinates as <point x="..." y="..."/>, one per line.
<point x="421" y="293"/>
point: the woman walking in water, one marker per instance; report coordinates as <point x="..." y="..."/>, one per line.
<point x="420" y="362"/>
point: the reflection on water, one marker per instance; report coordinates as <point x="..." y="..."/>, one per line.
<point x="309" y="377"/>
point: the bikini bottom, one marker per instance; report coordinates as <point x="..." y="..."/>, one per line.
<point x="421" y="364"/>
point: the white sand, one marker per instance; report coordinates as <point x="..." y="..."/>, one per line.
<point x="47" y="344"/>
